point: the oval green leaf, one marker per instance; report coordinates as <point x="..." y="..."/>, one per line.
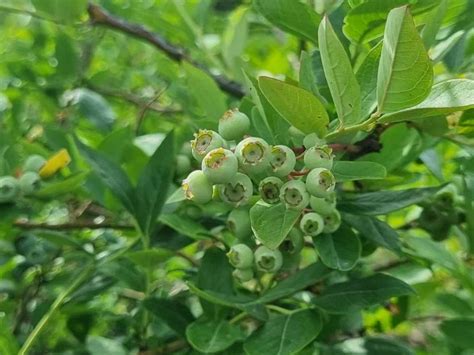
<point x="358" y="170"/>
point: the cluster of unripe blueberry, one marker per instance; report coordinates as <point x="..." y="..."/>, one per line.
<point x="239" y="170"/>
<point x="26" y="184"/>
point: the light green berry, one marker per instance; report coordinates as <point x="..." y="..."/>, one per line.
<point x="237" y="191"/>
<point x="312" y="224"/>
<point x="30" y="182"/>
<point x="283" y="160"/>
<point x="197" y="187"/>
<point x="240" y="256"/>
<point x="220" y="165"/>
<point x="321" y="157"/>
<point x="268" y="260"/>
<point x="332" y="222"/>
<point x="312" y="140"/>
<point x="34" y="163"/>
<point x="239" y="223"/>
<point x="293" y="243"/>
<point x="9" y="189"/>
<point x="320" y="182"/>
<point x="204" y="141"/>
<point x="233" y="125"/>
<point x="243" y="275"/>
<point x="183" y="164"/>
<point x="269" y="189"/>
<point x="323" y="205"/>
<point x="253" y="155"/>
<point x="294" y="195"/>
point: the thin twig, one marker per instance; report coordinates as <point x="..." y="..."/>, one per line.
<point x="146" y="107"/>
<point x="24" y="12"/>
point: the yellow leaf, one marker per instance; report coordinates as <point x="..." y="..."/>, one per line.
<point x="55" y="163"/>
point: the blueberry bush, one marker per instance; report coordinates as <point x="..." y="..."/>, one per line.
<point x="237" y="177"/>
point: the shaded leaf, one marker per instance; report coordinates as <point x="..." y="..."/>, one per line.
<point x="174" y="314"/>
<point x="358" y="170"/>
<point x="212" y="336"/>
<point x="459" y="331"/>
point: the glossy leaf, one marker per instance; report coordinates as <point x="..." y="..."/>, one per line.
<point x="57" y="188"/>
<point x="185" y="226"/>
<point x="174" y="314"/>
<point x="358" y="170"/>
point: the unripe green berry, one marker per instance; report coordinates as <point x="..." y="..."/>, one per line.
<point x="240" y="256"/>
<point x="294" y="195"/>
<point x="332" y="222"/>
<point x="295" y="132"/>
<point x="183" y="164"/>
<point x="243" y="275"/>
<point x="269" y="189"/>
<point x="238" y="191"/>
<point x="186" y="149"/>
<point x="9" y="188"/>
<point x="312" y="224"/>
<point x="323" y="205"/>
<point x="220" y="165"/>
<point x="233" y="125"/>
<point x="293" y="243"/>
<point x="253" y="155"/>
<point x="30" y="182"/>
<point x="320" y="182"/>
<point x="239" y="223"/>
<point x="204" y="141"/>
<point x="312" y="140"/>
<point x="283" y="160"/>
<point x="34" y="163"/>
<point x="268" y="260"/>
<point x="197" y="187"/>
<point x="315" y="157"/>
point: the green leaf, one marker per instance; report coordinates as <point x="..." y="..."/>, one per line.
<point x="97" y="345"/>
<point x="67" y="11"/>
<point x="291" y="16"/>
<point x="375" y="230"/>
<point x="297" y="106"/>
<point x="353" y="295"/>
<point x="153" y="185"/>
<point x="383" y="202"/>
<point x="405" y="74"/>
<point x="61" y="187"/>
<point x="358" y="170"/>
<point x="371" y="346"/>
<point x="432" y="27"/>
<point x="459" y="331"/>
<point x="272" y="223"/>
<point x="174" y="314"/>
<point x="311" y="75"/>
<point x="68" y="58"/>
<point x="111" y="176"/>
<point x="235" y="38"/>
<point x="367" y="78"/>
<point x="60" y="239"/>
<point x="339" y="251"/>
<point x="185" y="225"/>
<point x="212" y="336"/>
<point x="150" y="258"/>
<point x="285" y="334"/>
<point x="445" y="98"/>
<point x="342" y="82"/>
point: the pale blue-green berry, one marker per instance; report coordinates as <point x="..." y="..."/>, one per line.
<point x="238" y="191"/>
<point x="253" y="154"/>
<point x="9" y="189"/>
<point x="293" y="243"/>
<point x="183" y="164"/>
<point x="268" y="260"/>
<point x="320" y="182"/>
<point x="269" y="189"/>
<point x="318" y="157"/>
<point x="312" y="224"/>
<point x="34" y="163"/>
<point x="294" y="195"/>
<point x="243" y="275"/>
<point x="240" y="256"/>
<point x="204" y="141"/>
<point x="312" y="140"/>
<point x="30" y="182"/>
<point x="323" y="205"/>
<point x="332" y="222"/>
<point x="238" y="222"/>
<point x="220" y="165"/>
<point x="282" y="160"/>
<point x="233" y="125"/>
<point x="197" y="187"/>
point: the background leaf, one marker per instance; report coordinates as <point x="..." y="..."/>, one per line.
<point x="358" y="170"/>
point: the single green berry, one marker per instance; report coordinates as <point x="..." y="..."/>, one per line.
<point x="293" y="243"/>
<point x="183" y="164"/>
<point x="186" y="149"/>
<point x="220" y="165"/>
<point x="197" y="187"/>
<point x="9" y="188"/>
<point x="34" y="163"/>
<point x="29" y="182"/>
<point x="312" y="140"/>
<point x="295" y="132"/>
<point x="283" y="160"/>
<point x="233" y="125"/>
<point x="237" y="191"/>
<point x="321" y="157"/>
<point x="243" y="275"/>
<point x="268" y="260"/>
<point x="193" y="211"/>
<point x="253" y="155"/>
<point x="312" y="224"/>
<point x="332" y="222"/>
<point x="320" y="182"/>
<point x="323" y="205"/>
<point x="240" y="256"/>
<point x="239" y="223"/>
<point x="204" y="141"/>
<point x="294" y="195"/>
<point x="269" y="189"/>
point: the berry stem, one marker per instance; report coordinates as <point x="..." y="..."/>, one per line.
<point x="300" y="173"/>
